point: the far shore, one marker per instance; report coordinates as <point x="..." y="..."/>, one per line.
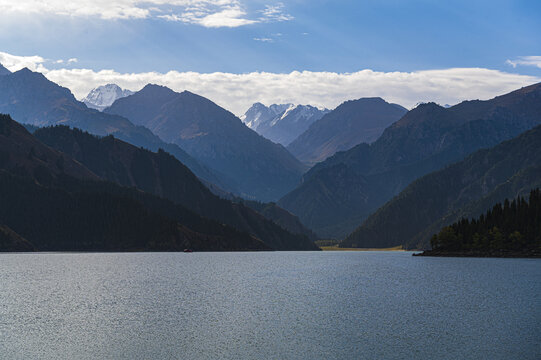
<point x="336" y="248"/>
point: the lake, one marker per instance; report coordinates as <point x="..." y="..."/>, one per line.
<point x="272" y="305"/>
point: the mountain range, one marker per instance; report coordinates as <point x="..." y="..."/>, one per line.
<point x="171" y="195"/>
<point x="281" y="123"/>
<point x="179" y="163"/>
<point x="163" y="175"/>
<point x="338" y="194"/>
<point x="351" y="123"/>
<point x="465" y="189"/>
<point x="55" y="203"/>
<point x="32" y="99"/>
<point x="218" y="139"/>
<point x="104" y="96"/>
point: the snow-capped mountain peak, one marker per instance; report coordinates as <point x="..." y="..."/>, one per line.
<point x="281" y="123"/>
<point x="104" y="96"/>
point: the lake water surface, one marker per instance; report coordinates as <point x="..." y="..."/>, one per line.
<point x="277" y="305"/>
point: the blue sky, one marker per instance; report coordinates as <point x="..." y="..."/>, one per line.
<point x="241" y="36"/>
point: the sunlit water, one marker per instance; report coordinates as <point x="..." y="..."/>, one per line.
<point x="280" y="305"/>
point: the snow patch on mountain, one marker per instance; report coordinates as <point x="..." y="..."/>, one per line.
<point x="104" y="96"/>
<point x="281" y="123"/>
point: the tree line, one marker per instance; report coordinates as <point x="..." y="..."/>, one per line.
<point x="512" y="226"/>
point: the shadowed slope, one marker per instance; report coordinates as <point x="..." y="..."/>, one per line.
<point x="215" y="137"/>
<point x="338" y="194"/>
<point x="163" y="175"/>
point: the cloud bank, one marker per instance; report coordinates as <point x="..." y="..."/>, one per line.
<point x="526" y="61"/>
<point x="237" y="92"/>
<point x="207" y="13"/>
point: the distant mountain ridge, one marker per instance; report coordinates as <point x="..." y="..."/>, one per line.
<point x="465" y="189"/>
<point x="281" y="123"/>
<point x="337" y="195"/>
<point x="259" y="114"/>
<point x="215" y="137"/>
<point x="32" y="99"/>
<point x="104" y="96"/>
<point x="351" y="123"/>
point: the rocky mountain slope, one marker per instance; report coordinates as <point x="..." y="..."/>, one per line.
<point x="338" y="194"/>
<point x="281" y="123"/>
<point x="104" y="96"/>
<point x="215" y="137"/>
<point x="464" y="189"/>
<point x="32" y="99"/>
<point x="351" y="123"/>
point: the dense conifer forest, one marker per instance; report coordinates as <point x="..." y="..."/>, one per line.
<point x="510" y="228"/>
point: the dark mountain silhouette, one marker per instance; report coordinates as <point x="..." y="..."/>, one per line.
<point x="339" y="193"/>
<point x="11" y="241"/>
<point x="215" y="137"/>
<point x="464" y="189"/>
<point x="163" y="175"/>
<point x="21" y="153"/>
<point x="32" y="99"/>
<point x="56" y="203"/>
<point x="351" y="123"/>
<point x="75" y="215"/>
<point x="281" y="217"/>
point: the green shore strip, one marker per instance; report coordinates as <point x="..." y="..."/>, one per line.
<point x="336" y="248"/>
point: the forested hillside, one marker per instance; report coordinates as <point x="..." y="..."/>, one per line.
<point x="464" y="189"/>
<point x="163" y="175"/>
<point x="337" y="194"/>
<point x="509" y="229"/>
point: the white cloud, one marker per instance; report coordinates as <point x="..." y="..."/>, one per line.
<point x="236" y="92"/>
<point x="14" y="62"/>
<point x="208" y="13"/>
<point x="525" y="61"/>
<point x="270" y="38"/>
<point x="275" y="13"/>
<point x="230" y="16"/>
<point x="170" y="17"/>
<point x="34" y="62"/>
<point x="264" y="39"/>
<point x="105" y="9"/>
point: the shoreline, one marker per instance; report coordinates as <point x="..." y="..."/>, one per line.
<point x="336" y="248"/>
<point x="476" y="254"/>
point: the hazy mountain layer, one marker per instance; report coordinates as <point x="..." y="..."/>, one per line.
<point x="215" y="137"/>
<point x="31" y="98"/>
<point x="464" y="189"/>
<point x="163" y="175"/>
<point x="339" y="193"/>
<point x="56" y="204"/>
<point x="351" y="123"/>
